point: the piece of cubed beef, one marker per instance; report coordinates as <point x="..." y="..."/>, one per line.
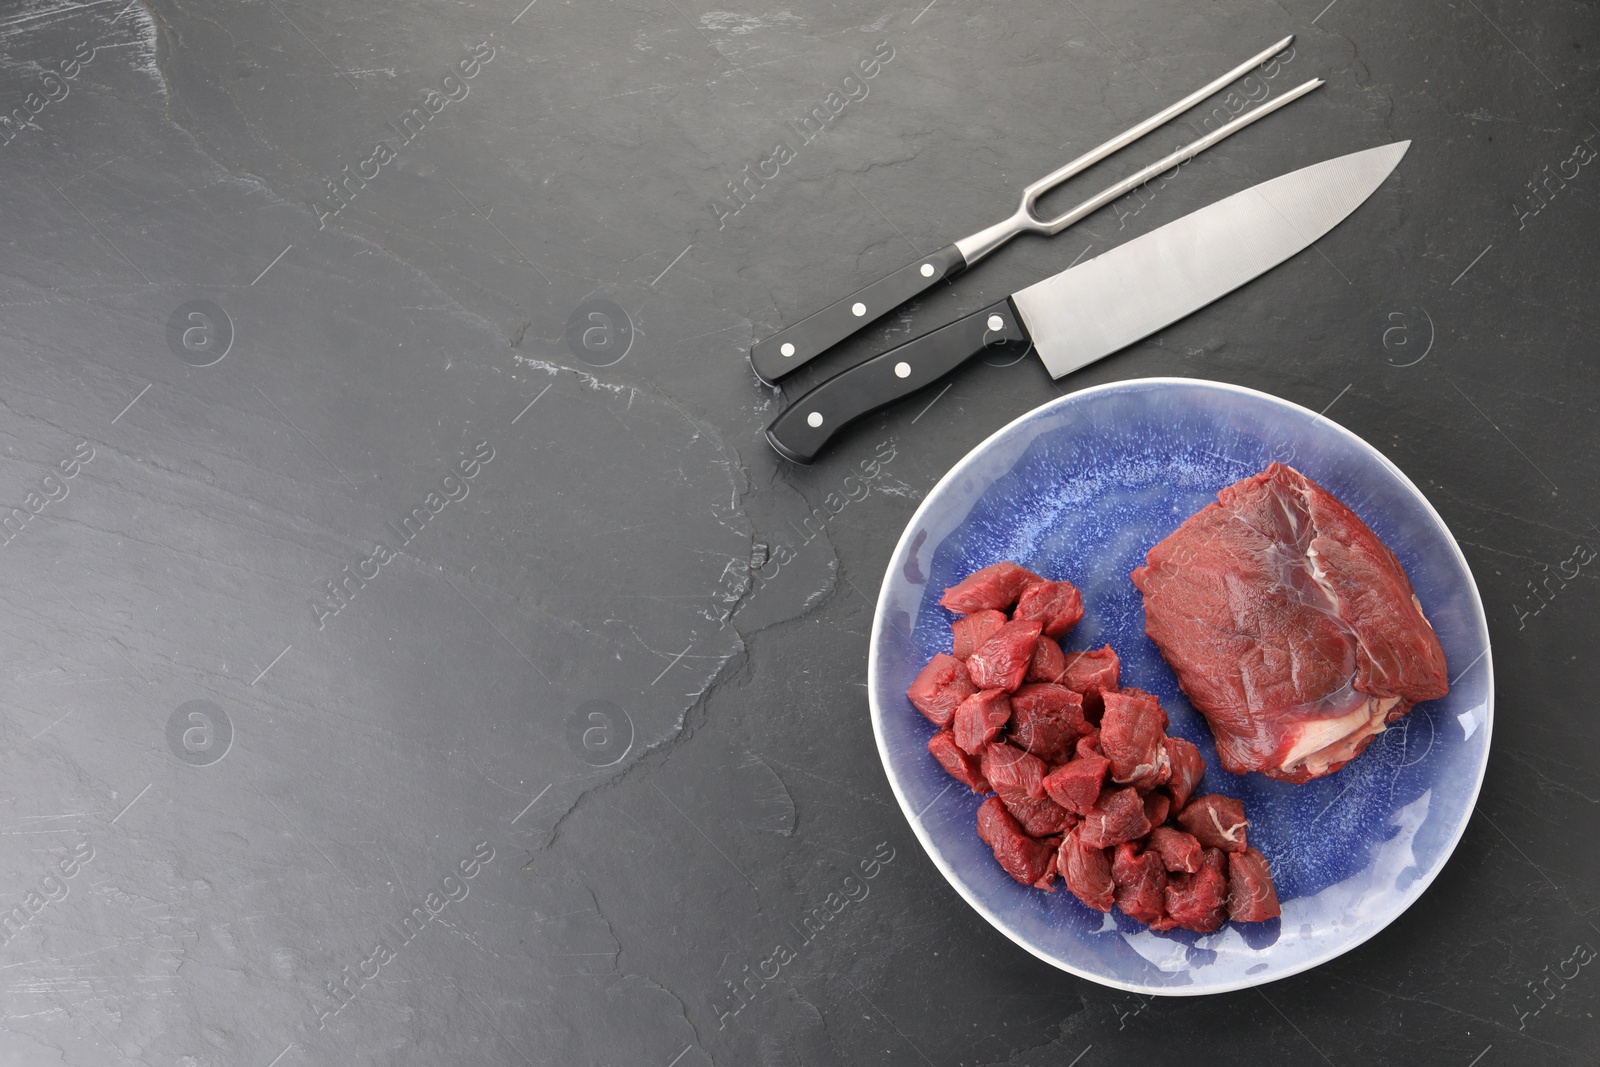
<point x="1252" y="897"/>
<point x="1141" y="882"/>
<point x="1198" y="901"/>
<point x="1047" y="880"/>
<point x="1038" y="816"/>
<point x="1046" y="719"/>
<point x="1013" y="773"/>
<point x="1019" y="855"/>
<point x="963" y="768"/>
<point x="1087" y="871"/>
<point x="1188" y="767"/>
<point x="1076" y="785"/>
<point x="1156" y="807"/>
<point x="1117" y="816"/>
<point x="1131" y="731"/>
<point x="1088" y="745"/>
<point x="970" y="631"/>
<point x="1049" y="663"/>
<point x="1179" y="851"/>
<point x="979" y="719"/>
<point x="939" y="688"/>
<point x="1216" y="821"/>
<point x="995" y="587"/>
<point x="1001" y="662"/>
<point x="1056" y="605"/>
<point x="1092" y="673"/>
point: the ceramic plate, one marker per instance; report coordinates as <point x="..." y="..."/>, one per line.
<point x="1080" y="489"/>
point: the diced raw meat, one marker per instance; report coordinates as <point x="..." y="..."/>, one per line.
<point x="1188" y="767"/>
<point x="1092" y="673"/>
<point x="1141" y="883"/>
<point x="994" y="587"/>
<point x="1156" y="807"/>
<point x="979" y="719"/>
<point x="1089" y="745"/>
<point x="1021" y="856"/>
<point x="939" y="688"/>
<point x="1290" y="626"/>
<point x="1049" y="663"/>
<point x="1013" y="773"/>
<point x="1179" y="851"/>
<point x="1251" y="894"/>
<point x="1076" y="785"/>
<point x="970" y="631"/>
<point x="1001" y="662"/>
<point x="1130" y="735"/>
<point x="1117" y="816"/>
<point x="1057" y="606"/>
<point x="1198" y="901"/>
<point x="1087" y="871"/>
<point x="1038" y="816"/>
<point x="1047" y="879"/>
<point x="1046" y="719"/>
<point x="1216" y="821"/>
<point x="962" y="767"/>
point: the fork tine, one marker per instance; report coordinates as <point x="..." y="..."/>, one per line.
<point x="1127" y="137"/>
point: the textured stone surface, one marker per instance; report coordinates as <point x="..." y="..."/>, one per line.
<point x="624" y="658"/>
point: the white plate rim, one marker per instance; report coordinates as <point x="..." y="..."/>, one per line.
<point x="880" y="618"/>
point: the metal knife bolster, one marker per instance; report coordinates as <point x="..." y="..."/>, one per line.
<point x="807" y="425"/>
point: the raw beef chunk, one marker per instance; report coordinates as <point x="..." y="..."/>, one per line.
<point x="1116" y="817"/>
<point x="1141" y="883"/>
<point x="1179" y="851"/>
<point x="1021" y="856"/>
<point x="1039" y="816"/>
<point x="979" y="719"/>
<point x="1001" y="662"/>
<point x="1092" y="673"/>
<point x="1087" y="871"/>
<point x="1056" y="606"/>
<point x="963" y="768"/>
<point x="995" y="587"/>
<point x="1291" y="627"/>
<point x="1076" y="785"/>
<point x="970" y="631"/>
<point x="941" y="687"/>
<point x="1156" y="807"/>
<point x="1131" y="732"/>
<point x="1198" y="901"/>
<point x="1188" y="767"/>
<point x="1089" y="745"/>
<point x="1012" y="772"/>
<point x="1049" y="663"/>
<point x="1046" y="719"/>
<point x="1251" y="896"/>
<point x="1216" y="822"/>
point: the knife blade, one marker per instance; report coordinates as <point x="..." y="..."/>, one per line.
<point x="1089" y="311"/>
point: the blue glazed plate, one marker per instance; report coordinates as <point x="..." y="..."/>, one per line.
<point x="1080" y="489"/>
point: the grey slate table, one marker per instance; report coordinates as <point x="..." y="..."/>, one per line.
<point x="285" y="281"/>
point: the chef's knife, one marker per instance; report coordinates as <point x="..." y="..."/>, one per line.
<point x="1092" y="310"/>
<point x="796" y="345"/>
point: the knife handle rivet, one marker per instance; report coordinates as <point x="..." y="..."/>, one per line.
<point x="787" y="349"/>
<point x="927" y="270"/>
<point x="996" y="322"/>
<point x="814" y="419"/>
<point x="902" y="370"/>
<point x="858" y="309"/>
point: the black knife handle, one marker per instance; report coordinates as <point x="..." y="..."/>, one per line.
<point x="813" y="335"/>
<point x="807" y="425"/>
